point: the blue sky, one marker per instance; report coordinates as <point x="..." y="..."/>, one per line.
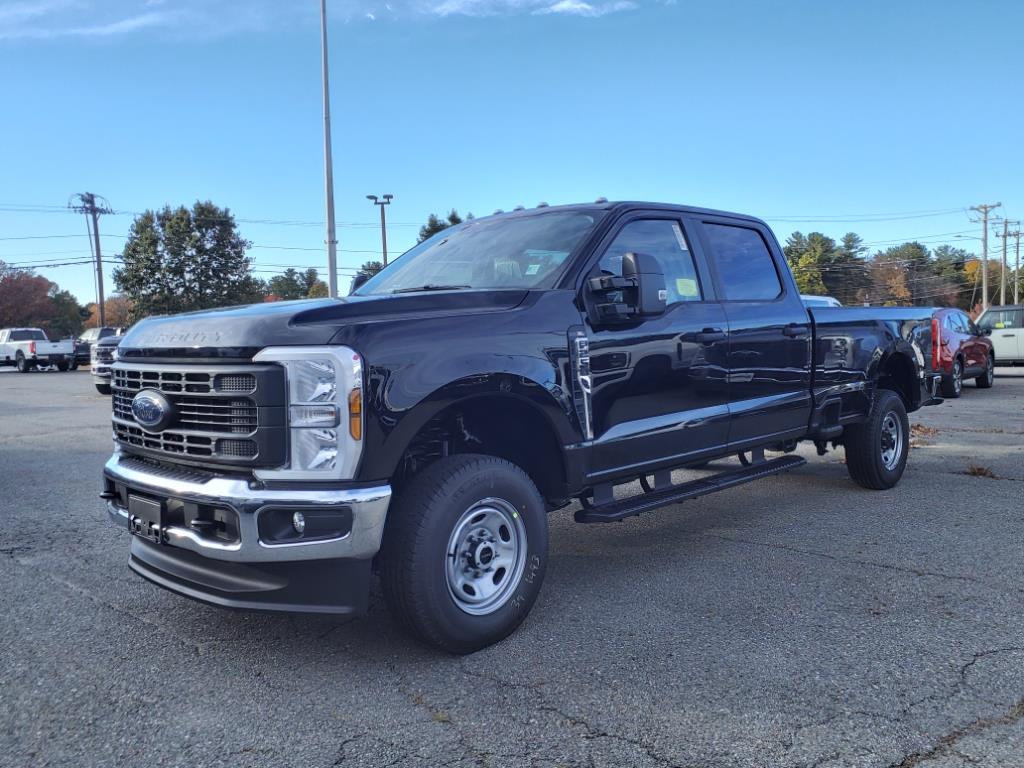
<point x="888" y="119"/>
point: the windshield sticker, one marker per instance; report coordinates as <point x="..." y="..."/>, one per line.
<point x="533" y="269"/>
<point x="686" y="287"/>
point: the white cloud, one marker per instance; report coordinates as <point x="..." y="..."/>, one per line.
<point x="110" y="19"/>
<point x="581" y="8"/>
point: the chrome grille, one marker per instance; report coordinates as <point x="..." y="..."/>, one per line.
<point x="228" y="414"/>
<point x="103" y="354"/>
<point x="208" y="414"/>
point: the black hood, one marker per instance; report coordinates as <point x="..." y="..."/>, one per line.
<point x="240" y="332"/>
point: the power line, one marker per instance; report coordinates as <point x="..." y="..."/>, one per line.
<point x="93" y="206"/>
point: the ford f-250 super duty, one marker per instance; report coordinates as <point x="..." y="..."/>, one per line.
<point x="269" y="456"/>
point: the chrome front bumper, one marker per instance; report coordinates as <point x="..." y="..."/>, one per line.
<point x="369" y="507"/>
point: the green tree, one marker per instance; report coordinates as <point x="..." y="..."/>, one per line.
<point x="805" y="258"/>
<point x="288" y="286"/>
<point x="318" y="290"/>
<point x="436" y="224"/>
<point x="181" y="259"/>
<point x="67" y="316"/>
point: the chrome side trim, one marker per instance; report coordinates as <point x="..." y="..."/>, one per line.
<point x="579" y="347"/>
<point x="369" y="512"/>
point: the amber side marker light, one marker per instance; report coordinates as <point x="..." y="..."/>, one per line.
<point x="355" y="414"/>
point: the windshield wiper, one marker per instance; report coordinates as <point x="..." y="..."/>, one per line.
<point x="432" y="287"/>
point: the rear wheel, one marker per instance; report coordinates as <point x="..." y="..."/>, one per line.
<point x="877" y="449"/>
<point x="953" y="384"/>
<point x="21" y="363"/>
<point x="988" y="378"/>
<point x="464" y="552"/>
<point x="62" y="367"/>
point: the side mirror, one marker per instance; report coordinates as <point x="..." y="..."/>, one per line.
<point x="638" y="294"/>
<point x="651" y="294"/>
<point x="986" y="331"/>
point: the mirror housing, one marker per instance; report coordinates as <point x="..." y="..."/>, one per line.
<point x="357" y="281"/>
<point x="641" y="291"/>
<point x="645" y="270"/>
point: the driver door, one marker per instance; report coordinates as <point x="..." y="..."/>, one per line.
<point x="658" y="384"/>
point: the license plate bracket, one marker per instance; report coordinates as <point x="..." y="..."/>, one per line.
<point x="145" y="518"/>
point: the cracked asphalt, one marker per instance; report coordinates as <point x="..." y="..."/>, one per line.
<point x="796" y="621"/>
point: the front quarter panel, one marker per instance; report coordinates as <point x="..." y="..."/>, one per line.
<point x="417" y="368"/>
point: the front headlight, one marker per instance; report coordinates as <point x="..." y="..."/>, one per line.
<point x="324" y="412"/>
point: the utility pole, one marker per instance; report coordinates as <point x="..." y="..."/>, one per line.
<point x="385" y="200"/>
<point x="1016" y="270"/>
<point x="984" y="209"/>
<point x="95" y="206"/>
<point x="1002" y="264"/>
<point x="332" y="242"/>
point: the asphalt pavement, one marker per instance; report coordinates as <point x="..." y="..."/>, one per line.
<point x="796" y="621"/>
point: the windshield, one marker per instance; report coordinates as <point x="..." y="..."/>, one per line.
<point x="28" y="335"/>
<point x="496" y="252"/>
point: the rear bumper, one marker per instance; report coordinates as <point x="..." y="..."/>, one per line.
<point x="248" y="568"/>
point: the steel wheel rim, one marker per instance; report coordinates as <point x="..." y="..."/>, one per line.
<point x="958" y="377"/>
<point x="486" y="556"/>
<point x="892" y="440"/>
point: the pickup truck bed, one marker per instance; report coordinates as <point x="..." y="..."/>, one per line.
<point x="28" y="349"/>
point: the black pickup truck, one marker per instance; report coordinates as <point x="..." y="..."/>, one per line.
<point x="273" y="456"/>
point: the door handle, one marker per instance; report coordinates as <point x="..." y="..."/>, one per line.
<point x="709" y="335"/>
<point x="794" y="331"/>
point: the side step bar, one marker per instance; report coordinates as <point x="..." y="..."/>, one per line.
<point x="647" y="502"/>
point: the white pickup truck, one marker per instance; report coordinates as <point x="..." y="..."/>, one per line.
<point x="28" y="348"/>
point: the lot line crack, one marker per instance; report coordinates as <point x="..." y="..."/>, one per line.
<point x="851" y="560"/>
<point x="947" y="744"/>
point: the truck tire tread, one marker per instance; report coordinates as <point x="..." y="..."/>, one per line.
<point x="862" y="444"/>
<point x="408" y="554"/>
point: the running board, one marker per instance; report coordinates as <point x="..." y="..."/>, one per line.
<point x="647" y="502"/>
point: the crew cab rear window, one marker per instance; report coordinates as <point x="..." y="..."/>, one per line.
<point x="744" y="263"/>
<point x="28" y="335"/>
<point x="664" y="240"/>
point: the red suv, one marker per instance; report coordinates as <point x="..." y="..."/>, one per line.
<point x="959" y="350"/>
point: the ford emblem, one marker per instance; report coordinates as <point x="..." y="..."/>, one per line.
<point x="152" y="410"/>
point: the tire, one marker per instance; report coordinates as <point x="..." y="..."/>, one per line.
<point x="988" y="378"/>
<point x="62" y="367"/>
<point x="953" y="384"/>
<point x="21" y="363"/>
<point x="74" y="365"/>
<point x="439" y="512"/>
<point x="103" y="389"/>
<point x="867" y="458"/>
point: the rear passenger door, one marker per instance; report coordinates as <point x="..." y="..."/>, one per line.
<point x="1007" y="333"/>
<point x="769" y="358"/>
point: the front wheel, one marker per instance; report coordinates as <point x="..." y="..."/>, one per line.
<point x="465" y="550"/>
<point x="953" y="384"/>
<point x="103" y="389"/>
<point x="988" y="378"/>
<point x="877" y="449"/>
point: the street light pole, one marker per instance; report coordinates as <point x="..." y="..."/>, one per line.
<point x="332" y="242"/>
<point x="383" y="201"/>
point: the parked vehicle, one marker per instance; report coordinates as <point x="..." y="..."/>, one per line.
<point x="103" y="355"/>
<point x="83" y="347"/>
<point x="1005" y="326"/>
<point x="28" y="349"/>
<point x="810" y="300"/>
<point x="962" y="351"/>
<point x="267" y="456"/>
